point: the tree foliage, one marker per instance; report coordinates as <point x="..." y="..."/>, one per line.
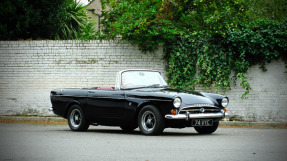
<point x="153" y="23"/>
<point x="207" y="42"/>
<point x="73" y="20"/>
<point x="41" y="19"/>
<point x="270" y="9"/>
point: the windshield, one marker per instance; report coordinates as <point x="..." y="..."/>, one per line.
<point x="137" y="79"/>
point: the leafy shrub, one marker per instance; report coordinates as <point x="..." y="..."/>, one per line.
<point x="41" y="19"/>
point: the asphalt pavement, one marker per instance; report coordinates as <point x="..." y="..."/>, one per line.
<point x="30" y="141"/>
<point x="56" y="120"/>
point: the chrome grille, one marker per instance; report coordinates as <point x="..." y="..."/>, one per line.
<point x="203" y="109"/>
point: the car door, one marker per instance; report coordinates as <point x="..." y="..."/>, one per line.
<point x="105" y="105"/>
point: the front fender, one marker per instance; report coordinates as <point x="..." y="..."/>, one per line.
<point x="216" y="98"/>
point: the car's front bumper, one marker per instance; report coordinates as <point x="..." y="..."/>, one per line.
<point x="188" y="116"/>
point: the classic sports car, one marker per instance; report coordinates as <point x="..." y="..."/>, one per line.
<point x="140" y="98"/>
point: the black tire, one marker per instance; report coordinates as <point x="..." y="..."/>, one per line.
<point x="128" y="128"/>
<point x="150" y="121"/>
<point x="76" y="119"/>
<point x="207" y="129"/>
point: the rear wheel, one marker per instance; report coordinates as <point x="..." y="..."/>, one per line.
<point x="76" y="119"/>
<point x="207" y="129"/>
<point x="150" y="121"/>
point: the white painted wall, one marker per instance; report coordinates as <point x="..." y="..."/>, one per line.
<point x="30" y="69"/>
<point x="267" y="101"/>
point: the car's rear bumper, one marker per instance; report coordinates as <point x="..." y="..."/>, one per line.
<point x="188" y="116"/>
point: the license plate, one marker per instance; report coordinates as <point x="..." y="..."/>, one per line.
<point x="202" y="122"/>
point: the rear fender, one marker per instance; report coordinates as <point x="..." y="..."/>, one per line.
<point x="70" y="104"/>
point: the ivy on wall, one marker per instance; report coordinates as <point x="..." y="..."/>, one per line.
<point x="207" y="42"/>
<point x="219" y="60"/>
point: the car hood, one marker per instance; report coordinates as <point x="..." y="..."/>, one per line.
<point x="189" y="98"/>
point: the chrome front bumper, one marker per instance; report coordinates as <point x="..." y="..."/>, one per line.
<point x="188" y="116"/>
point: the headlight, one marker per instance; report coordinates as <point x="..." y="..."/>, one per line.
<point x="177" y="102"/>
<point x="224" y="102"/>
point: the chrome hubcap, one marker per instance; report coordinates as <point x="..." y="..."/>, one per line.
<point x="148" y="121"/>
<point x="75" y="118"/>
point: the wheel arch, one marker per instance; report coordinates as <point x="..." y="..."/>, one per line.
<point x="142" y="105"/>
<point x="70" y="104"/>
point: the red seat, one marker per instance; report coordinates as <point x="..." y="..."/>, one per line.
<point x="105" y="88"/>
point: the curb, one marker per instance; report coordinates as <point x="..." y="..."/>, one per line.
<point x="56" y="119"/>
<point x="254" y="124"/>
<point x="32" y="119"/>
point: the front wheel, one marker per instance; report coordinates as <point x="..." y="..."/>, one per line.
<point x="76" y="119"/>
<point x="207" y="129"/>
<point x="150" y="121"/>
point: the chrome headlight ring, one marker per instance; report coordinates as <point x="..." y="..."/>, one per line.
<point x="224" y="102"/>
<point x="177" y="102"/>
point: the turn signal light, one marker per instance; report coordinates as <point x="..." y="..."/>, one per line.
<point x="224" y="110"/>
<point x="173" y="111"/>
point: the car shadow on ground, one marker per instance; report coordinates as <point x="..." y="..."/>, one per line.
<point x="117" y="130"/>
<point x="137" y="132"/>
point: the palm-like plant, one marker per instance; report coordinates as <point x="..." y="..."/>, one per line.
<point x="74" y="19"/>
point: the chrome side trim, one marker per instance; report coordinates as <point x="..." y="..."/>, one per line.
<point x="149" y="99"/>
<point x="188" y="116"/>
<point x="129" y="98"/>
<point x="88" y="97"/>
<point x="67" y="96"/>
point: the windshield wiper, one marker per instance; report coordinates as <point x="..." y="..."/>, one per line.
<point x="153" y="86"/>
<point x="157" y="86"/>
<point x="149" y="86"/>
<point x="165" y="86"/>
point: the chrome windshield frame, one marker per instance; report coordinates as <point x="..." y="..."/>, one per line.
<point x="118" y="85"/>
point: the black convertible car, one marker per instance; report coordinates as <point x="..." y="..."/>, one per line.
<point x="140" y="98"/>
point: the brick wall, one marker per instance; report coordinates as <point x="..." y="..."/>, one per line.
<point x="267" y="101"/>
<point x="30" y="69"/>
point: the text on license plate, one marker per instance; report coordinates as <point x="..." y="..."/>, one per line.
<point x="202" y="122"/>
